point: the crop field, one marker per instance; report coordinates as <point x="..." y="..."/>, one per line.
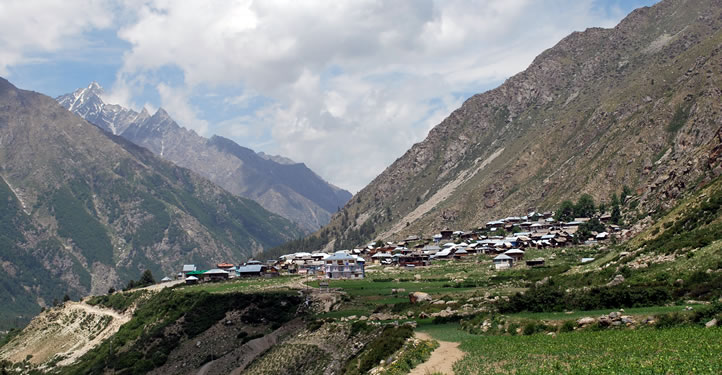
<point x="652" y="310"/>
<point x="679" y="350"/>
<point x="241" y="285"/>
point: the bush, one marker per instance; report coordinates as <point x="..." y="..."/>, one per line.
<point x="511" y="329"/>
<point x="568" y="326"/>
<point x="359" y="327"/>
<point x="670" y="320"/>
<point x="529" y="329"/>
<point x="548" y="298"/>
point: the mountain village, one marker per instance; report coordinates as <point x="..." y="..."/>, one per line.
<point x="504" y="239"/>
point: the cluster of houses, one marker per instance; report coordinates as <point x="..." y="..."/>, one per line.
<point x="339" y="265"/>
<point x="506" y="239"/>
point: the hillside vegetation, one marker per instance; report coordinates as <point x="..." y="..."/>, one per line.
<point x="84" y="211"/>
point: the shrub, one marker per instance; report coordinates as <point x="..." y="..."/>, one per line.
<point x="670" y="320"/>
<point x="568" y="326"/>
<point x="359" y="327"/>
<point x="529" y="329"/>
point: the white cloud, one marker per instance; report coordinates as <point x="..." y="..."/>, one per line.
<point x="175" y="101"/>
<point x="352" y="84"/>
<point x="30" y="28"/>
<point x="345" y="86"/>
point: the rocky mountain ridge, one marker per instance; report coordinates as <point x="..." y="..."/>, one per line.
<point x="279" y="184"/>
<point x="82" y="210"/>
<point x="635" y="105"/>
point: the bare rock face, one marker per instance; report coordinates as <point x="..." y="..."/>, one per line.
<point x="633" y="105"/>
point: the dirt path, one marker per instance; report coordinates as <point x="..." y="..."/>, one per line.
<point x="113" y="327"/>
<point x="71" y="331"/>
<point x="441" y="359"/>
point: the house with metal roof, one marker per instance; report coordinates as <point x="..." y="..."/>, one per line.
<point x="188" y="268"/>
<point x="342" y="265"/>
<point x="517" y="254"/>
<point x="250" y="270"/>
<point x="502" y="262"/>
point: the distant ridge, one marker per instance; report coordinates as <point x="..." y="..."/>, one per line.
<point x="279" y="184"/>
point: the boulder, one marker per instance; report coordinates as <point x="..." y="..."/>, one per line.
<point x="410" y="314"/>
<point x="439" y="302"/>
<point x="711" y="323"/>
<point x="585" y="321"/>
<point x="363" y="318"/>
<point x="418" y="297"/>
<point x="423" y="315"/>
<point x="452" y="302"/>
<point x="616" y="281"/>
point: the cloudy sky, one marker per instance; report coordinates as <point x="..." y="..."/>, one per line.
<point x="343" y="86"/>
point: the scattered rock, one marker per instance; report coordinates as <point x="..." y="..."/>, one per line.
<point x="418" y="297"/>
<point x="352" y="317"/>
<point x="688" y="308"/>
<point x="618" y="279"/>
<point x="439" y="302"/>
<point x="409" y="313"/>
<point x="585" y="321"/>
<point x="451" y="302"/>
<point x="363" y="318"/>
<point x="711" y="323"/>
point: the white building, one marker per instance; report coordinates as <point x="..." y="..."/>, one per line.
<point x="341" y="265"/>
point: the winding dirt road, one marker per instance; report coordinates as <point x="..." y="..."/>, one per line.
<point x="442" y="358"/>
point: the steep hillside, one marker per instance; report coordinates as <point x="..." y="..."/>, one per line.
<point x="280" y="185"/>
<point x="636" y="105"/>
<point x="83" y="210"/>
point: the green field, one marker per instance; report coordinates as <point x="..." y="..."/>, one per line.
<point x="652" y="310"/>
<point x="679" y="350"/>
<point x="250" y="285"/>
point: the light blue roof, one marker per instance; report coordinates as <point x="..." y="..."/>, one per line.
<point x="340" y="255"/>
<point x="189" y="267"/>
<point x="251" y="268"/>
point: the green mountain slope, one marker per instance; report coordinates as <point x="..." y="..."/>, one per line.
<point x="635" y="105"/>
<point x="84" y="210"/>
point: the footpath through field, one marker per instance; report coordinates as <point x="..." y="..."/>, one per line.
<point x="442" y="358"/>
